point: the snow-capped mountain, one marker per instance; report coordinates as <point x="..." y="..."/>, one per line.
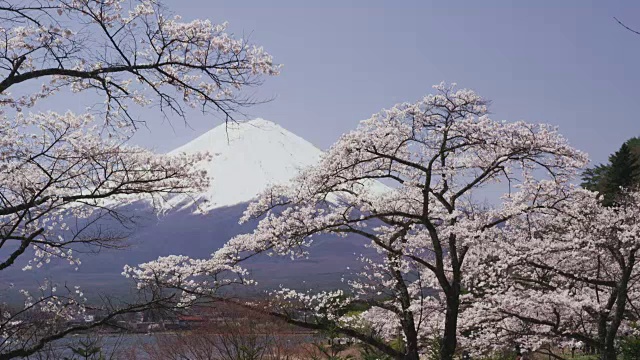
<point x="247" y="157"/>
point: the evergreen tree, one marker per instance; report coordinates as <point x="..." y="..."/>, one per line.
<point x="594" y="178"/>
<point x="622" y="172"/>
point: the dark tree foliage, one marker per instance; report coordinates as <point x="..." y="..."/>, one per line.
<point x="621" y="172"/>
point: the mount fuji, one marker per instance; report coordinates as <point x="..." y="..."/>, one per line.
<point x="247" y="158"/>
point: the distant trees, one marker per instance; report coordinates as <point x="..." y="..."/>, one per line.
<point x="61" y="174"/>
<point x="436" y="155"/>
<point x="238" y="333"/>
<point x="621" y="172"/>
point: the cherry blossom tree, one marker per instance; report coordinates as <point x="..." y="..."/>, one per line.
<point x="58" y="182"/>
<point x="563" y="276"/>
<point x="435" y="158"/>
<point x="65" y="176"/>
<point x="130" y="52"/>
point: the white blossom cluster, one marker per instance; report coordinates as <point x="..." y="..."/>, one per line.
<point x="560" y="276"/>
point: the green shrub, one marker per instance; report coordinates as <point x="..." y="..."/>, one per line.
<point x="630" y="348"/>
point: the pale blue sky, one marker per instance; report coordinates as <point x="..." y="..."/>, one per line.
<point x="567" y="63"/>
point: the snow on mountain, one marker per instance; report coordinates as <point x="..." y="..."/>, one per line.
<point x="248" y="157"/>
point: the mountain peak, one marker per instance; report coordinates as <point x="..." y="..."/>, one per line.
<point x="247" y="158"/>
<point x="259" y="122"/>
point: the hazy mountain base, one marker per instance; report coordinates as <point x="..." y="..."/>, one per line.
<point x="183" y="232"/>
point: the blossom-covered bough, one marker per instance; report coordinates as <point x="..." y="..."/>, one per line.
<point x="64" y="175"/>
<point x="134" y="52"/>
<point x="60" y="183"/>
<point x="434" y="157"/>
<point x="562" y="277"/>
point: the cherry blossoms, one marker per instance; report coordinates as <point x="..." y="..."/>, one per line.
<point x="434" y="158"/>
<point x="133" y="52"/>
<point x="65" y="176"/>
<point x="562" y="276"/>
<point x="59" y="181"/>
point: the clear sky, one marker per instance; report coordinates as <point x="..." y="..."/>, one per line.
<point x="566" y="63"/>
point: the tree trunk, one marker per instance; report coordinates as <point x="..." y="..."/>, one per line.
<point x="609" y="353"/>
<point x="450" y="339"/>
<point x="411" y="344"/>
<point x="411" y="351"/>
<point x="607" y="334"/>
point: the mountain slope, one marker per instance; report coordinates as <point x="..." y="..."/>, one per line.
<point x="247" y="158"/>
